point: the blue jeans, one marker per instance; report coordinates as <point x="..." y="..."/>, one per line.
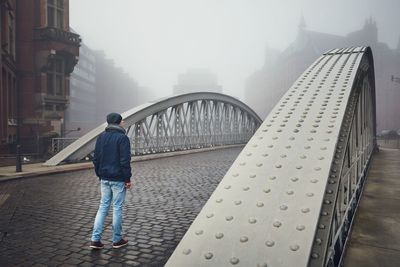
<point x="115" y="192"/>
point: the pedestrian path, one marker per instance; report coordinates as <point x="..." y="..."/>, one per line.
<point x="375" y="238"/>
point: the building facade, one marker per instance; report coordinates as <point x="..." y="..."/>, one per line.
<point x="99" y="87"/>
<point x="197" y="80"/>
<point x="8" y="77"/>
<point x="39" y="53"/>
<point x="80" y="116"/>
<point x="265" y="87"/>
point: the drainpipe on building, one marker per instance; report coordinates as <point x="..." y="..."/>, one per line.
<point x="18" y="163"/>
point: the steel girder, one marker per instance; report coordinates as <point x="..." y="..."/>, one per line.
<point x="290" y="196"/>
<point x="180" y="122"/>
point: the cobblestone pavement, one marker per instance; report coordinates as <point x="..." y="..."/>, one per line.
<point x="47" y="220"/>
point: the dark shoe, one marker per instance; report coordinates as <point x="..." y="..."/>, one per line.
<point x="120" y="243"/>
<point x="96" y="245"/>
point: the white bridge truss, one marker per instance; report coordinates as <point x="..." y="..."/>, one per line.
<point x="290" y="197"/>
<point x="183" y="122"/>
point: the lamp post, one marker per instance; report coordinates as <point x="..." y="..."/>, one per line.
<point x="18" y="163"/>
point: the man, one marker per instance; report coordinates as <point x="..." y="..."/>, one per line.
<point x="112" y="162"/>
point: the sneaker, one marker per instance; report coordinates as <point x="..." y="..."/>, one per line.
<point x="96" y="245"/>
<point x="120" y="243"/>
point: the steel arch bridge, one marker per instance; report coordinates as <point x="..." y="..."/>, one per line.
<point x="290" y="196"/>
<point x="182" y="122"/>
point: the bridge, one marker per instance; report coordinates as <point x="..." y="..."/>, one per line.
<point x="287" y="198"/>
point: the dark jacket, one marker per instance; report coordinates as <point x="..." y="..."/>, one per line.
<point x="112" y="155"/>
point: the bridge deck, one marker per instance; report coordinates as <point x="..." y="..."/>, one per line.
<point x="375" y="240"/>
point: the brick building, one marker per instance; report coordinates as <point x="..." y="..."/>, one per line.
<point x="38" y="55"/>
<point x="265" y="87"/>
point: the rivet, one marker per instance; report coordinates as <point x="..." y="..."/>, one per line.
<point x="259" y="164"/>
<point x="270" y="146"/>
<point x="283" y="207"/>
<point x="287" y="147"/>
<point x="294" y="179"/>
<point x="310" y="194"/>
<point x="186" y="251"/>
<point x="272" y="177"/>
<point x="277" y="224"/>
<point x="199" y="232"/>
<point x="279" y="130"/>
<point x="227" y="187"/>
<point x="255" y="145"/>
<point x="290" y="192"/>
<point x="244" y="239"/>
<point x="274" y="138"/>
<point x="323" y="148"/>
<point x="242" y="163"/>
<point x="252" y="220"/>
<point x="320" y="158"/>
<point x="252" y="176"/>
<point x="235" y="174"/>
<point x="283" y="156"/>
<point x="314" y="181"/>
<point x="305" y="210"/>
<point x="208" y="255"/>
<point x="269" y="243"/>
<point x="265" y="155"/>
<point x="229" y="218"/>
<point x="210" y="215"/>
<point x="321" y="226"/>
<point x="246" y="188"/>
<point x="249" y="154"/>
<point x="218" y="200"/>
<point x="262" y="265"/>
<point x="260" y="204"/>
<point x="295" y="130"/>
<point x="315" y="255"/>
<point x="310" y="139"/>
<point x="291" y="138"/>
<point x="294" y="247"/>
<point x="317" y="168"/>
<point x="300" y="227"/>
<point x="318" y="241"/>
<point x="260" y="137"/>
<point x="307" y="147"/>
<point x="299" y="167"/>
<point x="238" y="202"/>
<point x="219" y="235"/>
<point x="303" y="156"/>
<point x="267" y="190"/>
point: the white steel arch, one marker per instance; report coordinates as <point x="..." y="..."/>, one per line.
<point x="290" y="196"/>
<point x="181" y="122"/>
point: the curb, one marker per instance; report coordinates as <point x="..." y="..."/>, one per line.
<point x="89" y="165"/>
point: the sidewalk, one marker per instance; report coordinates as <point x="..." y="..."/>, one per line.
<point x="37" y="169"/>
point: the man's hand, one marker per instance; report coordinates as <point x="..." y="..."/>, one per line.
<point x="128" y="185"/>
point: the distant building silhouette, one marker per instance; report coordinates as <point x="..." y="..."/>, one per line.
<point x="197" y="80"/>
<point x="265" y="87"/>
<point x="98" y="87"/>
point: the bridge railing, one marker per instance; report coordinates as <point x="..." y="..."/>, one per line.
<point x="180" y="122"/>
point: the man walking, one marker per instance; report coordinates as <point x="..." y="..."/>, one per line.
<point x="112" y="162"/>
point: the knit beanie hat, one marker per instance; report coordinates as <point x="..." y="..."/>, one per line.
<point x="114" y="118"/>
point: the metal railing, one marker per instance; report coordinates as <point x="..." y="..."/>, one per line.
<point x="58" y="144"/>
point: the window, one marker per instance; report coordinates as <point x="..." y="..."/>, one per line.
<point x="55" y="13"/>
<point x="55" y="77"/>
<point x="8" y="31"/>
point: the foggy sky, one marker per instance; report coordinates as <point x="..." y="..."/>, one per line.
<point x="155" y="40"/>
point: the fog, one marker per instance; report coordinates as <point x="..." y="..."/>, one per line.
<point x="156" y="40"/>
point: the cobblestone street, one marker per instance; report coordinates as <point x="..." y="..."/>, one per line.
<point x="47" y="220"/>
